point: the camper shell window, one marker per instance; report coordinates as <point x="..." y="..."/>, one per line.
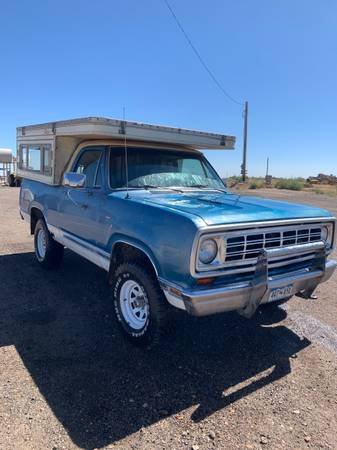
<point x="36" y="158"/>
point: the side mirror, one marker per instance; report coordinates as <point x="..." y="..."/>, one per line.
<point x="74" y="180"/>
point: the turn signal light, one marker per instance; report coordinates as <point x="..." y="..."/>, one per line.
<point x="175" y="292"/>
<point x="203" y="281"/>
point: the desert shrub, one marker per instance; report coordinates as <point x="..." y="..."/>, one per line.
<point x="256" y="183"/>
<point x="292" y="184"/>
<point x="233" y="180"/>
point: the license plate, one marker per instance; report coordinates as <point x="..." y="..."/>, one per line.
<point x="280" y="293"/>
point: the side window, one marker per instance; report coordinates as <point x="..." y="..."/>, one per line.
<point x="88" y="163"/>
<point x="99" y="175"/>
<point x="117" y="168"/>
<point x="36" y="158"/>
<point x="47" y="159"/>
<point x="23" y="150"/>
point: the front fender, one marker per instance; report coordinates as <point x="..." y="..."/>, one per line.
<point x="122" y="238"/>
<point x="165" y="235"/>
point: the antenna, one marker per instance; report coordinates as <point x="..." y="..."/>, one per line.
<point x="126" y="156"/>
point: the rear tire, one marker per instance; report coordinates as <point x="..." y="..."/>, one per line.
<point x="48" y="252"/>
<point x="141" y="309"/>
<point x="11" y="180"/>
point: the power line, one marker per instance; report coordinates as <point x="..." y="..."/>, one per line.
<point x="198" y="55"/>
<point x="219" y="85"/>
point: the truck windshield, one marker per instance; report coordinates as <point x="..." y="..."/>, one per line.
<point x="152" y="168"/>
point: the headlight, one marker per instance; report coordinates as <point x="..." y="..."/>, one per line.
<point x="207" y="251"/>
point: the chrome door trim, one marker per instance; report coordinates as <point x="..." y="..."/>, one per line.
<point x="90" y="252"/>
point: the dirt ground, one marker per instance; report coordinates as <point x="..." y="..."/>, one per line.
<point x="68" y="381"/>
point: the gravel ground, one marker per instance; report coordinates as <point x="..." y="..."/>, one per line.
<point x="68" y="381"/>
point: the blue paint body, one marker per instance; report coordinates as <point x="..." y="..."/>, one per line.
<point x="226" y="208"/>
<point x="163" y="224"/>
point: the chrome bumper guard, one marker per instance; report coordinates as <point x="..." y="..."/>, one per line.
<point x="246" y="297"/>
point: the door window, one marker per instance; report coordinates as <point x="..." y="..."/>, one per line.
<point x="89" y="164"/>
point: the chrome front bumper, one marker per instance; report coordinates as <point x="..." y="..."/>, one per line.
<point x="247" y="296"/>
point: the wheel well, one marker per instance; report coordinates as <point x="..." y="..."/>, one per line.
<point x="123" y="252"/>
<point x="35" y="215"/>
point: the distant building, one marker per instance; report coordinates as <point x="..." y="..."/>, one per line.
<point x="323" y="179"/>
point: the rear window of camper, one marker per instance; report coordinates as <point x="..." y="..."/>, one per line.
<point x="36" y="158"/>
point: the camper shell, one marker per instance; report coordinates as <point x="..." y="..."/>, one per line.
<point x="45" y="150"/>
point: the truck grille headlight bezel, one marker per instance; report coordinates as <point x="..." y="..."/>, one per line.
<point x="327" y="234"/>
<point x="217" y="261"/>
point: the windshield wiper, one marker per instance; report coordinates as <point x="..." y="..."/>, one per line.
<point x="143" y="186"/>
<point x="206" y="186"/>
<point x="198" y="186"/>
<point x="150" y="186"/>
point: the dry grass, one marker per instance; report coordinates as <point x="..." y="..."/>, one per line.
<point x="297" y="184"/>
<point x="324" y="189"/>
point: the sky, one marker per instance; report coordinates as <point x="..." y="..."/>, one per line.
<point x="75" y="58"/>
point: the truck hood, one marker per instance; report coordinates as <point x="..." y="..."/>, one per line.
<point x="227" y="208"/>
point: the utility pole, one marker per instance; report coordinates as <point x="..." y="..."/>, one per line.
<point x="244" y="156"/>
<point x="267" y="172"/>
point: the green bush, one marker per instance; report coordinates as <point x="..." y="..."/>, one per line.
<point x="291" y="184"/>
<point x="256" y="184"/>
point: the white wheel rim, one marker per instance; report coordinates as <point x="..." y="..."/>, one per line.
<point x="134" y="304"/>
<point x="41" y="244"/>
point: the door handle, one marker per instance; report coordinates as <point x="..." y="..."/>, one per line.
<point x="79" y="205"/>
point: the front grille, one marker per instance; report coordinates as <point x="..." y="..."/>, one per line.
<point x="242" y="248"/>
<point x="291" y="247"/>
<point x="246" y="247"/>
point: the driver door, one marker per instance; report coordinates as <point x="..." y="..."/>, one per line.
<point x="79" y="207"/>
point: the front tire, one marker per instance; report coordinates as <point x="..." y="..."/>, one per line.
<point x="140" y="306"/>
<point x="48" y="252"/>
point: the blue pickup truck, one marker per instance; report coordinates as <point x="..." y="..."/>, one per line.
<point x="143" y="203"/>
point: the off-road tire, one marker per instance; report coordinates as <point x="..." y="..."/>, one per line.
<point x="159" y="311"/>
<point x="53" y="255"/>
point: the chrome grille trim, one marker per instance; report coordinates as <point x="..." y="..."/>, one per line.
<point x="246" y="249"/>
<point x="281" y="262"/>
<point x="272" y="264"/>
